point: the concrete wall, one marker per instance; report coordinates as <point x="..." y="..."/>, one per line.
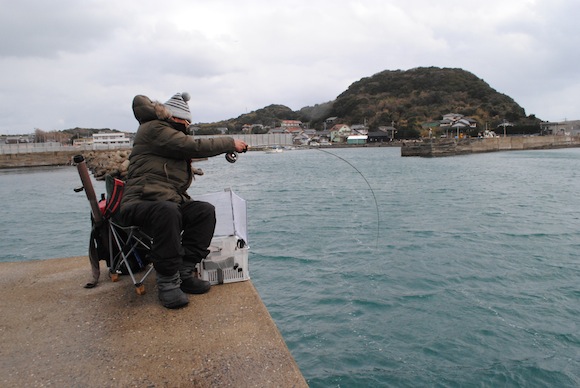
<point x="450" y="147"/>
<point x="36" y="159"/>
<point x="54" y="158"/>
<point x="264" y="140"/>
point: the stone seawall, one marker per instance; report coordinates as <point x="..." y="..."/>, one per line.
<point x="100" y="163"/>
<point x="113" y="162"/>
<point x="36" y="159"/>
<point x="452" y="147"/>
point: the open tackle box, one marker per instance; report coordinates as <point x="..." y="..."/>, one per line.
<point x="227" y="261"/>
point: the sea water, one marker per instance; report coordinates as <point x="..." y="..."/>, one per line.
<point x="381" y="270"/>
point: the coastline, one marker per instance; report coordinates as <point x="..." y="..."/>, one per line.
<point x="113" y="162"/>
<point x="55" y="332"/>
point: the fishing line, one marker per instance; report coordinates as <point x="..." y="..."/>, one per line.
<point x="368" y="184"/>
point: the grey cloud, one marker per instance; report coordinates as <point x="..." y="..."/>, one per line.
<point x="67" y="63"/>
<point x="47" y="28"/>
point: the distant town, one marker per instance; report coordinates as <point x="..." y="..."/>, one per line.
<point x="294" y="132"/>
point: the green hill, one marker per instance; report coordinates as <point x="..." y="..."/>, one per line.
<point x="269" y="116"/>
<point x="406" y="99"/>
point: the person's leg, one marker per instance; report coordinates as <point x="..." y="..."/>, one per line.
<point x="198" y="228"/>
<point x="162" y="221"/>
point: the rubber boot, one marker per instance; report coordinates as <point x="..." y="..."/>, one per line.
<point x="190" y="283"/>
<point x="170" y="294"/>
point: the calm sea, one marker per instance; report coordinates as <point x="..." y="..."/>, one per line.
<point x="464" y="272"/>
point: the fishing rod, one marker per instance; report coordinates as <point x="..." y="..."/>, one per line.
<point x="368" y="184"/>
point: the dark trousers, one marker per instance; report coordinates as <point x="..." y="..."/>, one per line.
<point x="181" y="232"/>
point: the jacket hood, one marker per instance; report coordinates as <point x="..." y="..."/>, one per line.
<point x="146" y="110"/>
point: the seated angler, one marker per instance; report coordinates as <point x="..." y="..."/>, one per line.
<point x="156" y="199"/>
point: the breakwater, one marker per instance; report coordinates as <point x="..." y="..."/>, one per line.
<point x="100" y="162"/>
<point x="37" y="159"/>
<point x="452" y="147"/>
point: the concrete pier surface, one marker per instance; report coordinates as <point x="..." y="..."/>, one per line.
<point x="56" y="333"/>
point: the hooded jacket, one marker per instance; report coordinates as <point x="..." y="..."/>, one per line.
<point x="160" y="162"/>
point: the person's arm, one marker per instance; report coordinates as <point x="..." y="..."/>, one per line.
<point x="163" y="140"/>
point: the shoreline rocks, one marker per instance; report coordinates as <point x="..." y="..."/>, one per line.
<point x="102" y="163"/>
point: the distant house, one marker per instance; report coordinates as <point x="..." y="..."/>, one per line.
<point x="339" y="133"/>
<point x="455" y="120"/>
<point x="360" y="129"/>
<point x="389" y="130"/>
<point x="329" y="122"/>
<point x="253" y="128"/>
<point x="259" y="127"/>
<point x="292" y="126"/>
<point x="457" y="123"/>
<point x="451" y="117"/>
<point x="464" y="123"/>
<point x="84" y="141"/>
<point x="308" y="135"/>
<point x="278" y="130"/>
<point x="321" y="137"/>
<point x="379" y="137"/>
<point x="16" y="140"/>
<point x="301" y="139"/>
<point x="357" y="139"/>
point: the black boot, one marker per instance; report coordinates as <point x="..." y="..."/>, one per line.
<point x="170" y="294"/>
<point x="190" y="283"/>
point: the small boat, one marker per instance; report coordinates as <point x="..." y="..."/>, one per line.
<point x="274" y="150"/>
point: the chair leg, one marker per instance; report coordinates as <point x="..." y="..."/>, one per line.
<point x="127" y="246"/>
<point x="140" y="288"/>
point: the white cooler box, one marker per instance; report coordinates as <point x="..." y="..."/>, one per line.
<point x="227" y="261"/>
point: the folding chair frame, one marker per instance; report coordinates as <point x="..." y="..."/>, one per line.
<point x="127" y="246"/>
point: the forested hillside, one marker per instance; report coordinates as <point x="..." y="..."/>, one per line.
<point x="404" y="99"/>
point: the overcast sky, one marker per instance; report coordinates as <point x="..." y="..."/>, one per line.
<point x="72" y="63"/>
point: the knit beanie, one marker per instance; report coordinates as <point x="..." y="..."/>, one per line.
<point x="178" y="106"/>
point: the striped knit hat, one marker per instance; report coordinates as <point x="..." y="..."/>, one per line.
<point x="178" y="106"/>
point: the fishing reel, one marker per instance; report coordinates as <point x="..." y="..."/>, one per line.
<point x="232" y="157"/>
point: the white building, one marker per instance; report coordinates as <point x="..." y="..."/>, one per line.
<point x="110" y="140"/>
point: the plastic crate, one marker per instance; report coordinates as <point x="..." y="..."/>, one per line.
<point x="227" y="261"/>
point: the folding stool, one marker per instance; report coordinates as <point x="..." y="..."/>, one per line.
<point x="129" y="245"/>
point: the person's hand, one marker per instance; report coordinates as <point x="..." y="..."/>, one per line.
<point x="240" y="145"/>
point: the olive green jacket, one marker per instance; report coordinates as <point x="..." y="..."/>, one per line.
<point x="160" y="162"/>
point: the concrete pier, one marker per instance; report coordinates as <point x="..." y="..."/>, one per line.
<point x="56" y="333"/>
<point x="452" y="147"/>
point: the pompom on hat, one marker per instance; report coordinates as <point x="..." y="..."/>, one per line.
<point x="178" y="107"/>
